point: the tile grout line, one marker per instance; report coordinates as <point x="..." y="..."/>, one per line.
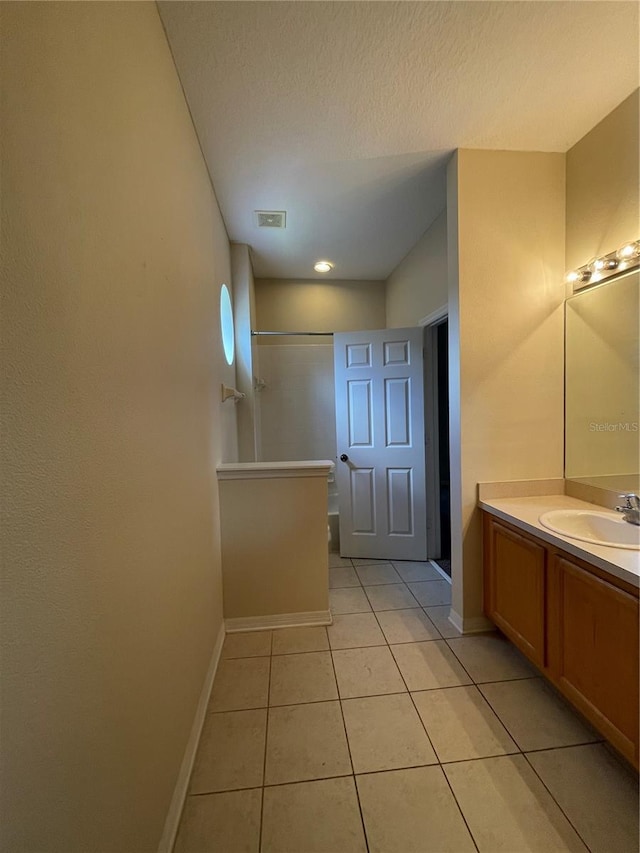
<point x="272" y="785"/>
<point x="459" y="659"/>
<point x="411" y="767"/>
<point x="502" y="722"/>
<point x="440" y="763"/>
<point x="346" y="735"/>
<point x="562" y="811"/>
<point x="564" y="746"/>
<point x="520" y="749"/>
<point x="387" y="609"/>
<point x="507" y="680"/>
<point x="440" y="638"/>
<point x="266" y="740"/>
<point x="453" y="794"/>
<point x="404" y="681"/>
<point x="437" y="757"/>
<point x="390" y="610"/>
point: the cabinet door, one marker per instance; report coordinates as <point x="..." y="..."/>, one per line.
<point x="515" y="588"/>
<point x="593" y="650"/>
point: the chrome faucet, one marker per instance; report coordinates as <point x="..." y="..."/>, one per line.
<point x="631" y="510"/>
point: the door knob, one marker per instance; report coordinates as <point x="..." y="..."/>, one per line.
<point x="344" y="457"/>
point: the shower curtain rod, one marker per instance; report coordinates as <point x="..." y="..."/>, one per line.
<point x="304" y="334"/>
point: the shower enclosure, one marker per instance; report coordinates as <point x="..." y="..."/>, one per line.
<point x="296" y="402"/>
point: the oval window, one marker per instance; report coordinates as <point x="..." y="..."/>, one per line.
<point x="226" y="324"/>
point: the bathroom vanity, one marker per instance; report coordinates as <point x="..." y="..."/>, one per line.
<point x="571" y="607"/>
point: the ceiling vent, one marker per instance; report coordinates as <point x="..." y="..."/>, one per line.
<point x="270" y="218"/>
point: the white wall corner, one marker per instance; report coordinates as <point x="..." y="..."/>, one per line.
<point x="174" y="814"/>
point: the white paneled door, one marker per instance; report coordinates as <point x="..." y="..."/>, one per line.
<point x="380" y="443"/>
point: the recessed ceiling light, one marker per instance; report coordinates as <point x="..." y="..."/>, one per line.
<point x="323" y="266"/>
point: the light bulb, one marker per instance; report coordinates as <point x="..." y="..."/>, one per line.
<point x="629" y="250"/>
<point x="577" y="275"/>
<point x="323" y="266"/>
<point x="601" y="264"/>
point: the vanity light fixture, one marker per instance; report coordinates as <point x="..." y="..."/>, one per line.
<point x="323" y="266"/>
<point x="626" y="258"/>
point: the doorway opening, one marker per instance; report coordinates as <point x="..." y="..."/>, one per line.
<point x="436" y="352"/>
<point x="381" y="471"/>
<point x="442" y="372"/>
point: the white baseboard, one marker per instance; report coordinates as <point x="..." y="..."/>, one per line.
<point x="278" y="620"/>
<point x="182" y="784"/>
<point x="470" y="625"/>
<point x="455" y="619"/>
<point x="440" y="571"/>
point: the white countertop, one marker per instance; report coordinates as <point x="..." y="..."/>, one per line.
<point x="525" y="513"/>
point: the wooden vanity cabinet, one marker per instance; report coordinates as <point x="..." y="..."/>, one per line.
<point x="514" y="588"/>
<point x="592" y="634"/>
<point x="576" y="623"/>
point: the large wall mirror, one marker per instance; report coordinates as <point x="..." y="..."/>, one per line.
<point x="602" y="381"/>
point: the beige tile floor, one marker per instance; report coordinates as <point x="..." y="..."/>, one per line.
<point x="388" y="732"/>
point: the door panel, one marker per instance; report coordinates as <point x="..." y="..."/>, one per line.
<point x="360" y="413"/>
<point x="358" y="355"/>
<point x="396" y="352"/>
<point x="397" y="412"/>
<point x="363" y="500"/>
<point x="380" y="428"/>
<point x="400" y="501"/>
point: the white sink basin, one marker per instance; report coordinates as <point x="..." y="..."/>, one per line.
<point x="600" y="528"/>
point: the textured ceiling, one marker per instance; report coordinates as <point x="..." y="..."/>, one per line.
<point x="344" y="114"/>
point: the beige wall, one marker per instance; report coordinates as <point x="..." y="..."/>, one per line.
<point x="603" y="209"/>
<point x="318" y="306"/>
<point x="111" y="599"/>
<point x="418" y="285"/>
<point x="506" y="234"/>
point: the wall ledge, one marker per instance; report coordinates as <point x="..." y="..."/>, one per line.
<point x="274" y="470"/>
